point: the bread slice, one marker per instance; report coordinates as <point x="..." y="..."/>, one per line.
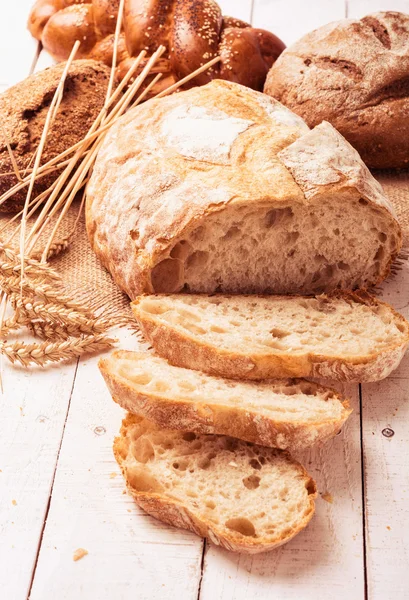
<point x="345" y="337"/>
<point x="287" y="414"/>
<point x="244" y="497"/>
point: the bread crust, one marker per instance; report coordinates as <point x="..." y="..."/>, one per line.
<point x="354" y="74"/>
<point x="174" y="513"/>
<point x="24" y="109"/>
<point x="184" y="350"/>
<point x="199" y="416"/>
<point x="134" y="222"/>
<point x="192" y="31"/>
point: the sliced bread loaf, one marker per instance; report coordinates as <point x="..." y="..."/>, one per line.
<point x="244" y="497"/>
<point x="344" y="337"/>
<point x="287" y="414"/>
<point x="232" y="193"/>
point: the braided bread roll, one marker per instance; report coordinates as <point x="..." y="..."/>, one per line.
<point x="193" y="32"/>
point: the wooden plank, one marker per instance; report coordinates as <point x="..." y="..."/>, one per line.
<point x="130" y="554"/>
<point x="33" y="409"/>
<point x="356" y="9"/>
<point x="325" y="560"/>
<point x="17" y="47"/>
<point x="385" y="442"/>
<point x="291" y="19"/>
<point x="34" y="404"/>
<point x="386" y="412"/>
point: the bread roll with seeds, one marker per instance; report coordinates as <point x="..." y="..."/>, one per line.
<point x="192" y="31"/>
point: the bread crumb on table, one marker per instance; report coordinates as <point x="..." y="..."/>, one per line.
<point x="327" y="497"/>
<point x="14" y="502"/>
<point x="79" y="553"/>
<point x="113" y="475"/>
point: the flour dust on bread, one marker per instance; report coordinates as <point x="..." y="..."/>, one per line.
<point x="243" y="497"/>
<point x="291" y="414"/>
<point x="221" y="188"/>
<point x="344" y="337"/>
<point x="353" y="73"/>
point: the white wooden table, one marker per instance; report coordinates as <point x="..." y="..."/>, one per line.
<point x="60" y="488"/>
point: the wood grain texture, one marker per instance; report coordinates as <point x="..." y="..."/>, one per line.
<point x="130" y="555"/>
<point x="33" y="410"/>
<point x="34" y="404"/>
<point x="385" y="412"/>
<point x="325" y="560"/>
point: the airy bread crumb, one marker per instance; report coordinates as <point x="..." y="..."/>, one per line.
<point x="79" y="553"/>
<point x="187" y="480"/>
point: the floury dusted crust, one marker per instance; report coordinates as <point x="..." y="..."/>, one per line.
<point x="224" y="189"/>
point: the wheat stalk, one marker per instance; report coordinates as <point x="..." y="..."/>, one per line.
<point x="39" y="288"/>
<point x="55" y="313"/>
<point x="12" y="265"/>
<point x="48" y="352"/>
<point x="34" y="290"/>
<point x="115" y="52"/>
<point x="13" y="160"/>
<point x="75" y="183"/>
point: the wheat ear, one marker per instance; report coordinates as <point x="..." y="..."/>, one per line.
<point x="47" y="352"/>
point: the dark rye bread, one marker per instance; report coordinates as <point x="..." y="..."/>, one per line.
<point x="24" y="108"/>
<point x="354" y="74"/>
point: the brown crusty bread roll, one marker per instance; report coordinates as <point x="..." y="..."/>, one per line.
<point x="222" y="188"/>
<point x="24" y="108"/>
<point x="193" y="32"/>
<point x="354" y="74"/>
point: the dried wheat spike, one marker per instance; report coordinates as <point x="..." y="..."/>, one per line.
<point x="55" y="313"/>
<point x="56" y="248"/>
<point x="47" y="352"/>
<point x="32" y="267"/>
<point x="39" y="288"/>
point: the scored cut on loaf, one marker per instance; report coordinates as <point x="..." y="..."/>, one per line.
<point x="344" y="337"/>
<point x="353" y="73"/>
<point x="244" y="497"/>
<point x="223" y="189"/>
<point x="289" y="414"/>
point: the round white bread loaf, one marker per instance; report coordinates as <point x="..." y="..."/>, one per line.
<point x="224" y="189"/>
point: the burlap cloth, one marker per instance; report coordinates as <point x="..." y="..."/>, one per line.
<point x="88" y="282"/>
